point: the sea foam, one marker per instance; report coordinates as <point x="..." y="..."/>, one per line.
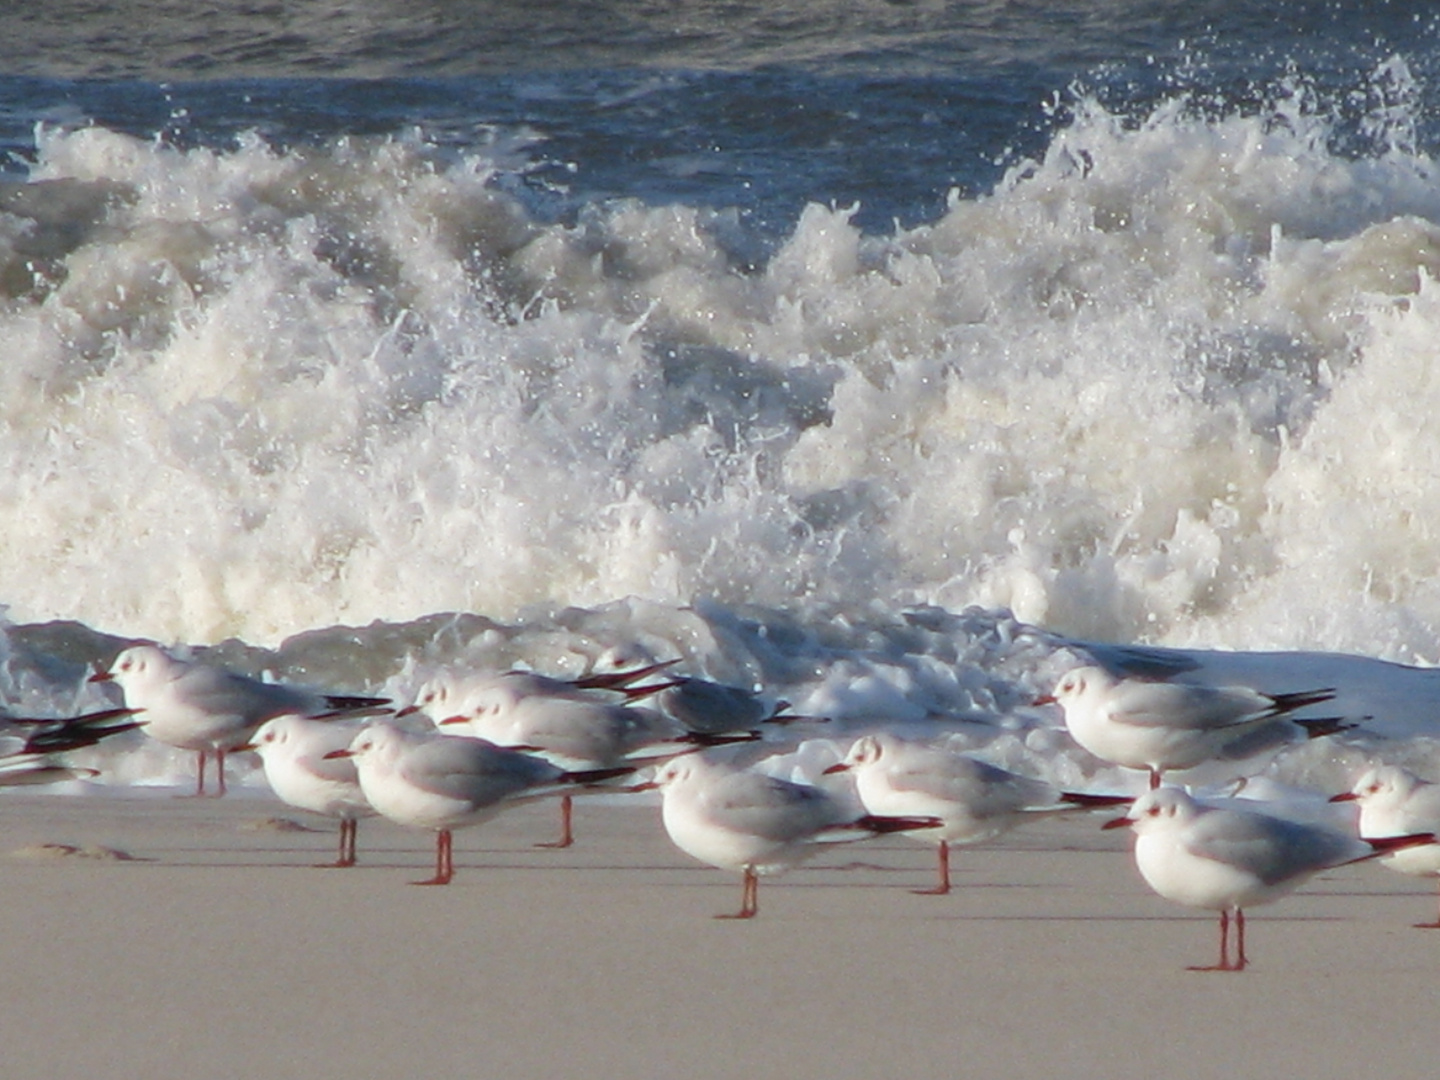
<point x="1168" y="381"/>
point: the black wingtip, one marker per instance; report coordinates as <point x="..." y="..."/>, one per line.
<point x="350" y="703"/>
<point x="595" y="776"/>
<point x="700" y="738"/>
<point x="1096" y="802"/>
<point x="620" y="680"/>
<point x="1320" y="726"/>
<point x="1288" y="703"/>
<point x="877" y="823"/>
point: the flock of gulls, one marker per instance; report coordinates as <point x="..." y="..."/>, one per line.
<point x="472" y="744"/>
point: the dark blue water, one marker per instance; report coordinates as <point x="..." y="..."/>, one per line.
<point x="759" y="108"/>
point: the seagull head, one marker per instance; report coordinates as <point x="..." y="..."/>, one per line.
<point x="1162" y="808"/>
<point x="376" y="741"/>
<point x="866" y="750"/>
<point x="137" y="665"/>
<point x="273" y="734"/>
<point x="1076" y="683"/>
<point x="1380" y="784"/>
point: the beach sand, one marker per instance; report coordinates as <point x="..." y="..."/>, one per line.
<point x="217" y="950"/>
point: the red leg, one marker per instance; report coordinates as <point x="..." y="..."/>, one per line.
<point x="1225" y="963"/>
<point x="349" y="828"/>
<point x="1240" y="960"/>
<point x="444" y="860"/>
<point x="567" y="837"/>
<point x="347" y="844"/>
<point x="202" y="756"/>
<point x="1154" y="779"/>
<point x="749" y="897"/>
<point x="943" y="887"/>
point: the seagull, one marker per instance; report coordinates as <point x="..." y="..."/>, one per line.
<point x="54" y="735"/>
<point x="580" y="734"/>
<point x="19" y="769"/>
<point x="445" y="782"/>
<point x="208" y="709"/>
<point x="712" y="708"/>
<point x="451" y="693"/>
<point x="293" y="749"/>
<point x="975" y="800"/>
<point x="1159" y="726"/>
<point x="1229" y="859"/>
<point x="739" y="819"/>
<point x="1395" y="802"/>
<point x="28" y="745"/>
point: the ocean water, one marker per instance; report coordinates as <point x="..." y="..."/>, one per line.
<point x="877" y="356"/>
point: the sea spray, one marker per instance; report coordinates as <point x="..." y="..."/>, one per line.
<point x="257" y="389"/>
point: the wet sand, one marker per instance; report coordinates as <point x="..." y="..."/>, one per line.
<point x="217" y="950"/>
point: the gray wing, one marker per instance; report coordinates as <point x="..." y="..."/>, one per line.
<point x="474" y="770"/>
<point x="1191" y="706"/>
<point x="222" y="692"/>
<point x="769" y="807"/>
<point x="982" y="787"/>
<point x="585" y="731"/>
<point x="1272" y="849"/>
<point x="712" y="708"/>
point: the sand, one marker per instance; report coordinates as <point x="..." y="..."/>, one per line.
<point x="215" y="949"/>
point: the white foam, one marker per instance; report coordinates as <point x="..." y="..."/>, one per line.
<point x="1168" y="383"/>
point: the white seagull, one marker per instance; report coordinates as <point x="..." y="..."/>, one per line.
<point x="293" y="751"/>
<point x="445" y="782"/>
<point x="1229" y="859"/>
<point x="739" y="819"/>
<point x="976" y="801"/>
<point x="712" y="708"/>
<point x="1395" y="802"/>
<point x="1159" y="726"/>
<point x="20" y="769"/>
<point x="29" y="745"/>
<point x="452" y="693"/>
<point x="208" y="709"/>
<point x="579" y="733"/>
